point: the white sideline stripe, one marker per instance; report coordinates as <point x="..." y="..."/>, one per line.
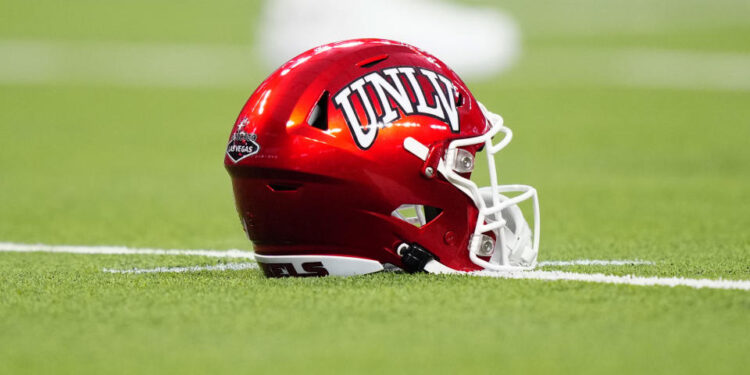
<point x="121" y="250"/>
<point x="612" y="279"/>
<point x="19" y="247"/>
<point x="594" y="262"/>
<point x="129" y="64"/>
<point x="125" y="64"/>
<point x="656" y="68"/>
<point x="645" y="68"/>
<point x="218" y="267"/>
<point x="531" y="275"/>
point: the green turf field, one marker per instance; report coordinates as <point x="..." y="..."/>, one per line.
<point x="631" y="118"/>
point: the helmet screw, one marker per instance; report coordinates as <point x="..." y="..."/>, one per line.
<point x="429" y="172"/>
<point x="450" y="238"/>
<point x="487" y="247"/>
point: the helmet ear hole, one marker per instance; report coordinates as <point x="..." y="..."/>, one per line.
<point x="319" y="115"/>
<point x="416" y="214"/>
<point x="430" y="213"/>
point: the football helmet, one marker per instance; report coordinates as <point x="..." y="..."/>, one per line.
<point x="356" y="156"/>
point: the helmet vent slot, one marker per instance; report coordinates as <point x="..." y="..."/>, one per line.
<point x="319" y="115"/>
<point x="280" y="187"/>
<point x="416" y="214"/>
<point x="368" y="63"/>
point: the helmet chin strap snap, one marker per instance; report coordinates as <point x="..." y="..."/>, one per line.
<point x="414" y="257"/>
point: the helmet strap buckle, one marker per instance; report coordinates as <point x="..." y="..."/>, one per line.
<point x="414" y="257"/>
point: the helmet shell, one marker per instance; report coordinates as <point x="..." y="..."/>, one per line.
<point x="317" y="159"/>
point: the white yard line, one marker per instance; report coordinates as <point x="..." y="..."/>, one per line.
<point x="594" y="262"/>
<point x="121" y="250"/>
<point x="126" y="64"/>
<point x="612" y="279"/>
<point x="218" y="267"/>
<point x="531" y="275"/>
<point x="674" y="69"/>
<point x="71" y="249"/>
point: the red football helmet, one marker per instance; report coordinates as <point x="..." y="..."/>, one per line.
<point x="355" y="157"/>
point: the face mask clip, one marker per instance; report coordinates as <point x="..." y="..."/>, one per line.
<point x="430" y="166"/>
<point x="460" y="160"/>
<point x="482" y="245"/>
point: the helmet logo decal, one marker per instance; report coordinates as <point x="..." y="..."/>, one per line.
<point x="310" y="269"/>
<point x="399" y="86"/>
<point x="242" y="144"/>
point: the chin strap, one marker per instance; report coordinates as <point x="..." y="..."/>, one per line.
<point x="416" y="258"/>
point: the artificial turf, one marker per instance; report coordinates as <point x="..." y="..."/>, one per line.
<point x="624" y="171"/>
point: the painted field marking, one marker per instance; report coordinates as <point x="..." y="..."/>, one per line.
<point x="120" y="250"/>
<point x="234" y="253"/>
<point x="648" y="68"/>
<point x="612" y="279"/>
<point x="172" y="65"/>
<point x="493" y="47"/>
<point x="530" y="275"/>
<point x="124" y="64"/>
<point x="594" y="262"/>
<point x="218" y="267"/>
